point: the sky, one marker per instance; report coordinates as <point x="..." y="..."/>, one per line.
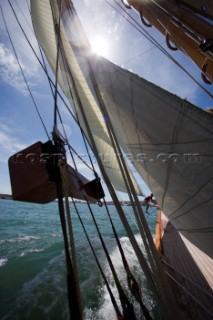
<point x="19" y="123"/>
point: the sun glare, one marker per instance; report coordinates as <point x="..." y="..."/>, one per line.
<point x="99" y="46"/>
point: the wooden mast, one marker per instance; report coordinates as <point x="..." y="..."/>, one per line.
<point x="188" y="31"/>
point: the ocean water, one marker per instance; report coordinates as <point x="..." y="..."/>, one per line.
<point x="32" y="262"/>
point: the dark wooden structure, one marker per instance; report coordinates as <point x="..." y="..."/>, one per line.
<point x="34" y="172"/>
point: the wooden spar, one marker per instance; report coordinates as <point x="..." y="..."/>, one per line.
<point x="163" y="22"/>
<point x="193" y="22"/>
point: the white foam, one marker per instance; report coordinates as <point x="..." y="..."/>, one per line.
<point x="30" y="251"/>
<point x="107" y="311"/>
<point x="56" y="235"/>
<point x="27" y="238"/>
<point x="3" y="262"/>
<point x="21" y="238"/>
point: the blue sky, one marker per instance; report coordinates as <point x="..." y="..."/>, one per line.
<point x="19" y="123"/>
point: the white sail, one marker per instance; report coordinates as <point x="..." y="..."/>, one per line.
<point x="75" y="72"/>
<point x="171" y="143"/>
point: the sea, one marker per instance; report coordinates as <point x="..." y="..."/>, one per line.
<point x="33" y="268"/>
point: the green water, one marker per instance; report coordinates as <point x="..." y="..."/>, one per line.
<point x="32" y="263"/>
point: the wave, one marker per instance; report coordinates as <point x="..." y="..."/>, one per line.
<point x="45" y="294"/>
<point x="20" y="238"/>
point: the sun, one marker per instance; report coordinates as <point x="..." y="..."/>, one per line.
<point x="99" y="46"/>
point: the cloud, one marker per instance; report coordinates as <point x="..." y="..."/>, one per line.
<point x="9" y="68"/>
<point x="9" y="144"/>
<point x="10" y="71"/>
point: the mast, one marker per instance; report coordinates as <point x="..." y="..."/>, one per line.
<point x="184" y="27"/>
